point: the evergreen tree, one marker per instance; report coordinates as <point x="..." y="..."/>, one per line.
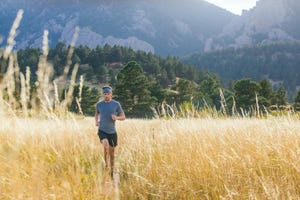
<point x="297" y="98"/>
<point x="157" y="91"/>
<point x="245" y="93"/>
<point x="83" y="53"/>
<point x="266" y="92"/>
<point x="29" y="57"/>
<point x="297" y="101"/>
<point x="280" y="96"/>
<point x="87" y="100"/>
<point x="209" y="88"/>
<point x="132" y="91"/>
<point x="186" y="89"/>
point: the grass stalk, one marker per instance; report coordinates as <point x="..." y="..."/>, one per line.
<point x="12" y="34"/>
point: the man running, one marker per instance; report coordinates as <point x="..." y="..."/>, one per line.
<point x="108" y="111"/>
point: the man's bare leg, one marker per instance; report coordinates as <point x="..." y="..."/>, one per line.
<point x="106" y="151"/>
<point x="112" y="159"/>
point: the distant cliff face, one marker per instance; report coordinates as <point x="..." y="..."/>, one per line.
<point x="270" y="20"/>
<point x="168" y="27"/>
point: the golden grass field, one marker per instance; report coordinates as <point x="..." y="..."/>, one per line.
<point x="46" y="153"/>
<point x="232" y="158"/>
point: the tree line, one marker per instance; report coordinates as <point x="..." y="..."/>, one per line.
<point x="278" y="62"/>
<point x="143" y="82"/>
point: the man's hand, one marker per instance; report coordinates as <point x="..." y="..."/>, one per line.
<point x="114" y="117"/>
<point x="97" y="123"/>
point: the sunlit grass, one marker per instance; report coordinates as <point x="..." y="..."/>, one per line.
<point x="156" y="159"/>
<point x="49" y="159"/>
<point x="48" y="153"/>
<point x="231" y="158"/>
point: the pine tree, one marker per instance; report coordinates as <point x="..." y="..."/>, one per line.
<point x="132" y="91"/>
<point x="297" y="101"/>
<point x="245" y="93"/>
<point x="86" y="101"/>
<point x="266" y="93"/>
<point x="280" y="96"/>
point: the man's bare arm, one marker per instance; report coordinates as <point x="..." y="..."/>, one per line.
<point x="97" y="119"/>
<point x="120" y="117"/>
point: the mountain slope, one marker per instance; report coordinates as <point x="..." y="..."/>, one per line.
<point x="268" y="21"/>
<point x="168" y="27"/>
<point x="277" y="62"/>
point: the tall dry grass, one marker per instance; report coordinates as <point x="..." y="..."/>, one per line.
<point x="156" y="159"/>
<point x="48" y="153"/>
<point x="50" y="159"/>
<point x="15" y="87"/>
<point x="211" y="159"/>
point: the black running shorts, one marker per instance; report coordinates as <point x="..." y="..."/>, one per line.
<point x="111" y="137"/>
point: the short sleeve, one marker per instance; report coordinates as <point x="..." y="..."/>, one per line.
<point x="119" y="109"/>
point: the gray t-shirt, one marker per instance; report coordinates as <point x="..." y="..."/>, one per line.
<point x="106" y="109"/>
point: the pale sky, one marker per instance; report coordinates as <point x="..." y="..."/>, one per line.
<point x="234" y="6"/>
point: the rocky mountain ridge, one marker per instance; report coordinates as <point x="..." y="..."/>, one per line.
<point x="268" y="21"/>
<point x="164" y="28"/>
<point x="169" y="27"/>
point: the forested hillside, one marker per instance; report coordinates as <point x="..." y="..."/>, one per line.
<point x="166" y="79"/>
<point x="142" y="82"/>
<point x="101" y="64"/>
<point x="277" y="62"/>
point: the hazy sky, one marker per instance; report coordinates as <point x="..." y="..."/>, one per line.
<point x="234" y="6"/>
